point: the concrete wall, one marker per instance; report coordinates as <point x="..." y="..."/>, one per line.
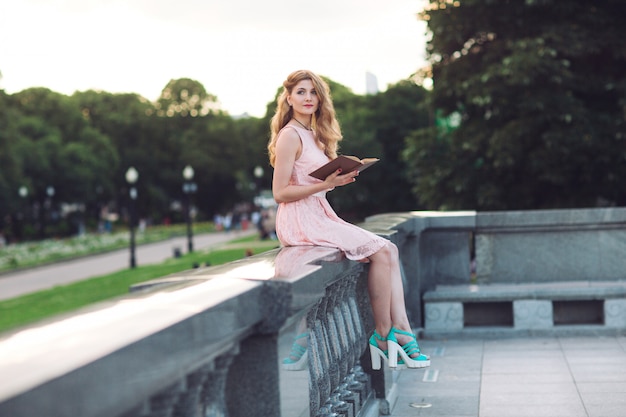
<point x="551" y="245"/>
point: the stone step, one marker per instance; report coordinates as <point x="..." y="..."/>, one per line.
<point x="526" y="307"/>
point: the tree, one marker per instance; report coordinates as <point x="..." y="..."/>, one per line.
<point x="197" y="133"/>
<point x="355" y="202"/>
<point x="11" y="205"/>
<point x="376" y="126"/>
<point x="185" y="97"/>
<point x="10" y="172"/>
<point x="395" y="113"/>
<point x="539" y="89"/>
<point x="138" y="136"/>
<point x="57" y="148"/>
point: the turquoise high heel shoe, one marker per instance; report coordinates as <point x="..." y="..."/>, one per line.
<point x="297" y="359"/>
<point x="377" y="354"/>
<point x="405" y="351"/>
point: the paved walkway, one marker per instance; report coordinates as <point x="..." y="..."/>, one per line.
<point x="37" y="279"/>
<point x="530" y="377"/>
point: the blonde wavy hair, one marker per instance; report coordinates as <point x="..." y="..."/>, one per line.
<point x="324" y="121"/>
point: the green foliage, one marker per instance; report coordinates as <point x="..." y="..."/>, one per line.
<point x="10" y="179"/>
<point x="185" y="97"/>
<point x="394" y="115"/>
<point x="376" y="126"/>
<point x="49" y="144"/>
<point x="541" y="93"/>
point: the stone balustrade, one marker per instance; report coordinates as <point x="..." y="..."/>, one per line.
<point x="536" y="272"/>
<point x="214" y="341"/>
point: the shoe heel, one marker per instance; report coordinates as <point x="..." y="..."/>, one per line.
<point x="394" y="350"/>
<point x="375" y="355"/>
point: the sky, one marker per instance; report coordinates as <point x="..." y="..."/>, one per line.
<point x="239" y="50"/>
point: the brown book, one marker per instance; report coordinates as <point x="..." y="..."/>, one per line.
<point x="346" y="163"/>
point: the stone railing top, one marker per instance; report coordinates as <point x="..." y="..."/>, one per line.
<point x="552" y="218"/>
<point x="417" y="221"/>
<point x="43" y="352"/>
<point x="286" y="264"/>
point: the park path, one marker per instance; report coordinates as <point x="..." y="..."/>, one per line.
<point x="36" y="279"/>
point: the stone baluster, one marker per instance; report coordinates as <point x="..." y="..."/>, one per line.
<point x="319" y="374"/>
<point x="346" y="358"/>
<point x="162" y="404"/>
<point x="334" y="349"/>
<point x="348" y="397"/>
<point x="337" y="405"/>
<point x="326" y="411"/>
<point x="212" y="394"/>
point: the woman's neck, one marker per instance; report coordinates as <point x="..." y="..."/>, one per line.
<point x="307" y="126"/>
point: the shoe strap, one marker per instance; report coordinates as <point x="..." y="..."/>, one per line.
<point x="376" y="336"/>
<point x="404" y="332"/>
<point x="379" y="337"/>
<point x="410" y="347"/>
<point x="297" y="350"/>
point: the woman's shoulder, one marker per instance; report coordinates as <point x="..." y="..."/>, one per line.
<point x="289" y="132"/>
<point x="289" y="136"/>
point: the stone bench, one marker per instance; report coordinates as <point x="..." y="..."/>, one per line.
<point x="565" y="307"/>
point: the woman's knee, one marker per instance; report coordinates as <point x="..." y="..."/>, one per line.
<point x="389" y="253"/>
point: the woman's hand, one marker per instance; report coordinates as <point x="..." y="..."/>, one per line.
<point x="337" y="179"/>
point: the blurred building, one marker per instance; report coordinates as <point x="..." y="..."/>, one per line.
<point x="371" y="83"/>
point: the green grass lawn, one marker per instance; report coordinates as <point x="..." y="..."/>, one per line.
<point x="44" y="304"/>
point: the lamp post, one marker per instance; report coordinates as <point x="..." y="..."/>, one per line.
<point x="131" y="178"/>
<point x="46" y="208"/>
<point x="19" y="231"/>
<point x="258" y="174"/>
<point x="189" y="187"/>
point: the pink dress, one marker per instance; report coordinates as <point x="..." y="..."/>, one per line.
<point x="312" y="221"/>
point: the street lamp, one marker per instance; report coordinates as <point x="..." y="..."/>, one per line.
<point x="19" y="231"/>
<point x="258" y="174"/>
<point x="189" y="187"/>
<point x="46" y="208"/>
<point x="131" y="178"/>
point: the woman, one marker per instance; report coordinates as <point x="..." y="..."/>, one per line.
<point x="305" y="136"/>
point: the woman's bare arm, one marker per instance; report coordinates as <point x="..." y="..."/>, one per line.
<point x="288" y="149"/>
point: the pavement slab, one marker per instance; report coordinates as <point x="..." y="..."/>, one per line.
<point x="517" y="377"/>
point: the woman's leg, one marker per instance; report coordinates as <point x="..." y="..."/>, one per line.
<point x="387" y="293"/>
<point x="380" y="291"/>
